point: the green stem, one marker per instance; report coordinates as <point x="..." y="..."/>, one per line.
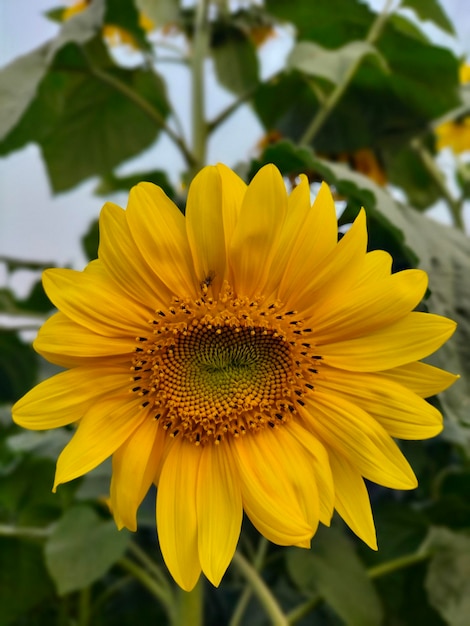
<point x="304" y="609"/>
<point x="190" y="606"/>
<point x="145" y="106"/>
<point x="454" y="205"/>
<point x="332" y="100"/>
<point x="199" y="124"/>
<point x="246" y="595"/>
<point x="262" y="592"/>
<point x="25" y="532"/>
<point x="84" y="598"/>
<point x="397" y="564"/>
<point x="149" y="564"/>
<point x="150" y="584"/>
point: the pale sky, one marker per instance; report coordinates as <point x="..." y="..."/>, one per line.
<point x="34" y="224"/>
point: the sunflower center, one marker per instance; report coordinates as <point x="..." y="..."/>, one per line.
<point x="218" y="369"/>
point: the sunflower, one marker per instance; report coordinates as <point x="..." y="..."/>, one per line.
<point x="241" y="359"/>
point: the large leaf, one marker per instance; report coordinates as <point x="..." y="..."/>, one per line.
<point x="20" y="79"/>
<point x="430" y="10"/>
<point x="24" y="582"/>
<point x="332" y="569"/>
<point x="333" y="65"/>
<point x="89" y="116"/>
<point x="82" y="548"/>
<point x="448" y="578"/>
<point x="18" y="366"/>
<point x="235" y="59"/>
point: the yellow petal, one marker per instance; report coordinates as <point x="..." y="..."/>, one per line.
<point x="134" y="467"/>
<point x="205" y="225"/>
<point x="64" y="398"/>
<point x="310" y="235"/>
<point x="92" y="301"/>
<point x="233" y="192"/>
<point x="321" y="466"/>
<point x="106" y="426"/>
<point x="421" y="378"/>
<point x="410" y="339"/>
<point x="293" y="232"/>
<point x="336" y="272"/>
<point x="219" y="510"/>
<point x="369" y="308"/>
<point x="176" y="513"/>
<point x="401" y="412"/>
<point x="269" y="499"/>
<point x="357" y="436"/>
<point x="377" y="265"/>
<point x="159" y="231"/>
<point x="124" y="262"/>
<point x="352" y="499"/>
<point x="60" y="338"/>
<point x="257" y="232"/>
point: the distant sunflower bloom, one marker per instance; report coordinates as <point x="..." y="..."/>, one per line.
<point x="241" y="359"/>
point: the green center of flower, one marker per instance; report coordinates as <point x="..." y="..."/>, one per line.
<point x="217" y="369"/>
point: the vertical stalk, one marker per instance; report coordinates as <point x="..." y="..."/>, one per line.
<point x="200" y="47"/>
<point x="190" y="606"/>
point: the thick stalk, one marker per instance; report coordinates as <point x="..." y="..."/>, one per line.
<point x="199" y="52"/>
<point x="258" y="561"/>
<point x="190" y="606"/>
<point x="332" y="100"/>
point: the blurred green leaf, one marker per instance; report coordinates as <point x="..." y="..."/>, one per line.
<point x="91" y="240"/>
<point x="82" y="548"/>
<point x="44" y="445"/>
<point x="235" y="59"/>
<point x="333" y="65"/>
<point x="448" y="577"/>
<point x="80" y="116"/>
<point x="24" y="581"/>
<point x="332" y="569"/>
<point x="406" y="170"/>
<point x="161" y="12"/>
<point x="111" y="183"/>
<point x="20" y="79"/>
<point x="18" y="366"/>
<point x="430" y="10"/>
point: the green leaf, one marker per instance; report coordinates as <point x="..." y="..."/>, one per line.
<point x="161" y="12"/>
<point x="18" y="367"/>
<point x="448" y="578"/>
<point x="91" y="240"/>
<point x="20" y="79"/>
<point x="235" y="59"/>
<point x="430" y="10"/>
<point x="124" y="14"/>
<point x="333" y="65"/>
<point x="333" y="570"/>
<point x="111" y="183"/>
<point x="24" y="582"/>
<point x="82" y="548"/>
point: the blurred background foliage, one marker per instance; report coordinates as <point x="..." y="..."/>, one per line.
<point x="364" y="100"/>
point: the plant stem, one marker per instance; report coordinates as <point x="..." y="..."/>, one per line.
<point x="150" y="584"/>
<point x="246" y="595"/>
<point x="149" y="564"/>
<point x="190" y="606"/>
<point x="303" y="609"/>
<point x="84" y="597"/>
<point x="260" y="589"/>
<point x="397" y="564"/>
<point x="24" y="532"/>
<point x="199" y="124"/>
<point x="332" y="100"/>
<point x="454" y="205"/>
